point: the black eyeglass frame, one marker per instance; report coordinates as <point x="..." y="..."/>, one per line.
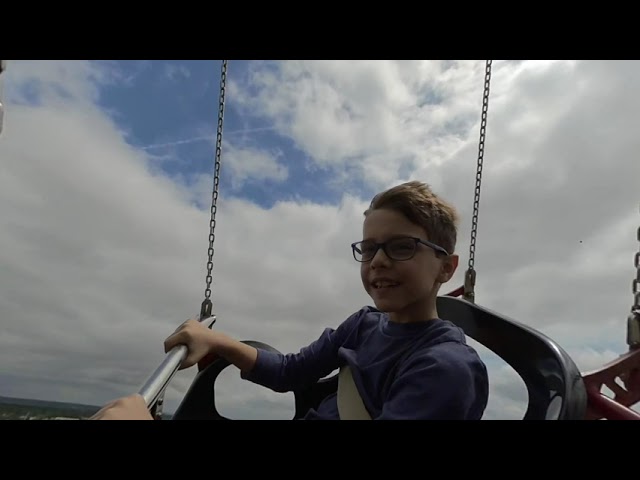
<point x="383" y="245"/>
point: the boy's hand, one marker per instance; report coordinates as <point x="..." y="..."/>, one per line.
<point x="132" y="407"/>
<point x="197" y="337"/>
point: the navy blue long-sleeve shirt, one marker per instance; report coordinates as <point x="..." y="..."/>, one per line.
<point x="439" y="377"/>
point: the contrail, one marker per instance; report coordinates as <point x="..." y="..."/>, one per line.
<point x="207" y="137"/>
<point x="177" y="142"/>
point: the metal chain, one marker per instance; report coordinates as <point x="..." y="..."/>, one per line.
<point x="3" y="67"/>
<point x="635" y="286"/>
<point x="633" y="325"/>
<point x="206" y="308"/>
<point x="470" y="276"/>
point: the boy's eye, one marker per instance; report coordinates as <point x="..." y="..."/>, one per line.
<point x="402" y="245"/>
<point x="367" y="248"/>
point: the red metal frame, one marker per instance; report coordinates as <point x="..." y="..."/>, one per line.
<point x="457" y="292"/>
<point x="625" y="368"/>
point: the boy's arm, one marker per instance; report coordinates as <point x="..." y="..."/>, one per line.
<point x="237" y="353"/>
<point x="446" y="382"/>
<point x="286" y="372"/>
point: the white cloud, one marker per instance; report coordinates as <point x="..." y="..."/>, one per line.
<point x="247" y="163"/>
<point x="176" y="72"/>
<point x="102" y="257"/>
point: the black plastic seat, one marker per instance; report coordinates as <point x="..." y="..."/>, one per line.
<point x="199" y="401"/>
<point x="554" y="383"/>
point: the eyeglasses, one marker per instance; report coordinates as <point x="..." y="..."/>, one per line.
<point x="402" y="248"/>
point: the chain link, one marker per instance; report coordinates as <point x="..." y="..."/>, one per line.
<point x="635" y="285"/>
<point x="633" y="322"/>
<point x="206" y="304"/>
<point x="470" y="278"/>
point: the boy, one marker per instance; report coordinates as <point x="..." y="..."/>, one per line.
<point x="406" y="362"/>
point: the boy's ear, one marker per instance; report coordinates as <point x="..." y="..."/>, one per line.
<point x="448" y="268"/>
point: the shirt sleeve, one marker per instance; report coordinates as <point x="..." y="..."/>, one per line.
<point x="286" y="372"/>
<point x="445" y="382"/>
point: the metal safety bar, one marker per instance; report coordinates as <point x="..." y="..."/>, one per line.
<point x="155" y="385"/>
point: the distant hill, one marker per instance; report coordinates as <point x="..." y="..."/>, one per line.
<point x="30" y="402"/>
<point x="14" y="408"/>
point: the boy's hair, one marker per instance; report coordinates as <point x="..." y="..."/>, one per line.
<point x="420" y="205"/>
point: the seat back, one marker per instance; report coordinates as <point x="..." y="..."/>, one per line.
<point x="199" y="403"/>
<point x="554" y="383"/>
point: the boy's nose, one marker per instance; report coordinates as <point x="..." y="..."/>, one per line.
<point x="380" y="259"/>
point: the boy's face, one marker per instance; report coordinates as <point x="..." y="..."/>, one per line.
<point x="417" y="279"/>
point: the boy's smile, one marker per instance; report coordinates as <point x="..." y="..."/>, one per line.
<point x="384" y="283"/>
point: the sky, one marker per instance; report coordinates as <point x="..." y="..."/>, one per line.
<point x="106" y="174"/>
